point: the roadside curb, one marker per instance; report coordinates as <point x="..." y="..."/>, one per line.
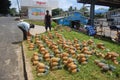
<point x="26" y="62"/>
<point x="26" y="65"/>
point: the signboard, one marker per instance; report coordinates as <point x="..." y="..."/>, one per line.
<point x="34" y="3"/>
<point x="40" y="3"/>
<point x="36" y="13"/>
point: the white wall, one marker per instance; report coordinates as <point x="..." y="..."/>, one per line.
<point x="53" y="4"/>
<point x="36" y="13"/>
<point x="35" y="7"/>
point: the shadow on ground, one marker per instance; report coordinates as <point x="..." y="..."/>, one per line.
<point x="17" y="42"/>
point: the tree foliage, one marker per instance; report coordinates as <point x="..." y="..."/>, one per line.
<point x="70" y="8"/>
<point x="13" y="11"/>
<point x="112" y="8"/>
<point x="56" y="11"/>
<point x="75" y="8"/>
<point x="84" y="11"/>
<point x="99" y="16"/>
<point x="5" y="6"/>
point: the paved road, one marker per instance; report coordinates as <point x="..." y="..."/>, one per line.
<point x="11" y="67"/>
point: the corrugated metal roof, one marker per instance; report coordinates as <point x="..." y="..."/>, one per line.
<point x="57" y="18"/>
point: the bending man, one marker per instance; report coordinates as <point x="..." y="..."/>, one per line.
<point x="25" y="28"/>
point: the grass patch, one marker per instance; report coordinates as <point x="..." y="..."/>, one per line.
<point x="88" y="71"/>
<point x="37" y="22"/>
<point x="41" y="23"/>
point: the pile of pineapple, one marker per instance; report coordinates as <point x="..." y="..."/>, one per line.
<point x="55" y="52"/>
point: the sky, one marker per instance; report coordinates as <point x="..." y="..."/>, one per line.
<point x="13" y="3"/>
<point x="64" y="4"/>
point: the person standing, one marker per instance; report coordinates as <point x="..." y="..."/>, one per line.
<point x="47" y="21"/>
<point x="25" y="28"/>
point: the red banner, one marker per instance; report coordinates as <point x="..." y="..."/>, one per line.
<point x="40" y="3"/>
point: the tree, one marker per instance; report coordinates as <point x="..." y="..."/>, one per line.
<point x="75" y="9"/>
<point x="70" y="8"/>
<point x="56" y="11"/>
<point x="112" y="8"/>
<point x="13" y="11"/>
<point x="5" y="6"/>
<point x="99" y="16"/>
<point x="84" y="11"/>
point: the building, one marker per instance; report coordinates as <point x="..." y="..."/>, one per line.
<point x="113" y="18"/>
<point x="35" y="9"/>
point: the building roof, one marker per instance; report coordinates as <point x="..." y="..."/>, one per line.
<point x="111" y="3"/>
<point x="58" y="18"/>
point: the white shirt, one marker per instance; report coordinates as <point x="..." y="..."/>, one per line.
<point x="24" y="25"/>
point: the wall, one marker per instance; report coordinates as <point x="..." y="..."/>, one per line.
<point x="36" y="13"/>
<point x="37" y="8"/>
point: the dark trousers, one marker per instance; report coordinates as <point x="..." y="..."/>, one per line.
<point x="24" y="33"/>
<point x="48" y="25"/>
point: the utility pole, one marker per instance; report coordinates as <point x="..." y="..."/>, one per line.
<point x="92" y="8"/>
<point x="18" y="8"/>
